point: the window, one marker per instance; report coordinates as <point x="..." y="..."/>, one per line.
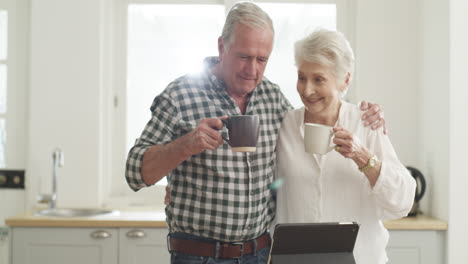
<point x="3" y="84"/>
<point x="13" y="82"/>
<point x="3" y="34"/>
<point x="167" y="39"/>
<point x="292" y="22"/>
<point x="161" y="40"/>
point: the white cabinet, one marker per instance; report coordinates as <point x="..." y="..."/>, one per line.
<point x="416" y="247"/>
<point x="143" y="246"/>
<point x="32" y="245"/>
<point x="51" y="245"/>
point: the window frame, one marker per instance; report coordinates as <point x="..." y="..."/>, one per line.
<point x="17" y="80"/>
<point x="113" y="196"/>
<point x="5" y="62"/>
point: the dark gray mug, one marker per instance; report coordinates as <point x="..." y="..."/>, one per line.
<point x="243" y="132"/>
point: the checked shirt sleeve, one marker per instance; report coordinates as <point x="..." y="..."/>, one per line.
<point x="284" y="105"/>
<point x="159" y="130"/>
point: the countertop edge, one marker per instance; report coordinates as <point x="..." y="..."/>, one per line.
<point x="420" y="222"/>
<point x="75" y="222"/>
<point x="157" y="220"/>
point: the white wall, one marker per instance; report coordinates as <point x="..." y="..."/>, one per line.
<point x="387" y="72"/>
<point x="66" y="103"/>
<point x="387" y="67"/>
<point x="443" y="117"/>
<point x="458" y="159"/>
<point x="434" y="97"/>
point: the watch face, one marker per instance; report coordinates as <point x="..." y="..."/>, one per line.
<point x="372" y="162"/>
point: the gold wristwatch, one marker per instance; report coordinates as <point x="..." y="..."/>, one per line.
<point x="370" y="163"/>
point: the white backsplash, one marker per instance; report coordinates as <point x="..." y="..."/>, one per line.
<point x="12" y="203"/>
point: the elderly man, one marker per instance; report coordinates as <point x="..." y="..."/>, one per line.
<point x="221" y="204"/>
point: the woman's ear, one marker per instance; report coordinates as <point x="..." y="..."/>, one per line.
<point x="343" y="89"/>
<point x="347" y="79"/>
<point x="346" y="83"/>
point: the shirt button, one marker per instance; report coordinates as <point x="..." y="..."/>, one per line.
<point x="249" y="227"/>
<point x="252" y="192"/>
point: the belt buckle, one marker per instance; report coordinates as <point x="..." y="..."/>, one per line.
<point x="241" y="245"/>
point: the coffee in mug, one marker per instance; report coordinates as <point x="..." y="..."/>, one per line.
<point x="243" y="131"/>
<point x="317" y="138"/>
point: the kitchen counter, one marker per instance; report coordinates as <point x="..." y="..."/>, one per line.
<point x="145" y="218"/>
<point x="130" y="218"/>
<point x="420" y="222"/>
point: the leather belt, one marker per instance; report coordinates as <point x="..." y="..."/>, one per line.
<point x="218" y="249"/>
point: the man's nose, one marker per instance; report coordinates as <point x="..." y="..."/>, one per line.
<point x="251" y="66"/>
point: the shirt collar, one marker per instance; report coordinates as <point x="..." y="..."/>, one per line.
<point x="208" y="64"/>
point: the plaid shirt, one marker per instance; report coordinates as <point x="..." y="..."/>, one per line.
<point x="219" y="194"/>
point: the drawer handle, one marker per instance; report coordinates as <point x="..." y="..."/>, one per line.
<point x="136" y="234"/>
<point x="100" y="234"/>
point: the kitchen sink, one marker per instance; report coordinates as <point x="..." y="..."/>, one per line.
<point x="74" y="212"/>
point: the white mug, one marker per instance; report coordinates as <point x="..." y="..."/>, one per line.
<point x="317" y="138"/>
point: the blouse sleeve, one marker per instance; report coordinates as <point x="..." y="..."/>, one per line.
<point x="395" y="188"/>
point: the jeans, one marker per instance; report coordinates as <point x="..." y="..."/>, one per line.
<point x="261" y="256"/>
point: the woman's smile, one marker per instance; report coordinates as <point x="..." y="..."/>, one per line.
<point x="314" y="100"/>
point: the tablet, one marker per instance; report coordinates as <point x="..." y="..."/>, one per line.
<point x="331" y="242"/>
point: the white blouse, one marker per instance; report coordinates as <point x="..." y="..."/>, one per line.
<point x="330" y="187"/>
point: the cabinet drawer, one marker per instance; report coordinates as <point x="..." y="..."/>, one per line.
<point x="64" y="245"/>
<point x="143" y="246"/>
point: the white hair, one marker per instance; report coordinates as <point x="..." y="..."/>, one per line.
<point x="248" y="14"/>
<point x="327" y="48"/>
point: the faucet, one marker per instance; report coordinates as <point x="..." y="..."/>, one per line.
<point x="57" y="162"/>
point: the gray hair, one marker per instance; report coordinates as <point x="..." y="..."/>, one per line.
<point x="248" y="14"/>
<point x="327" y="48"/>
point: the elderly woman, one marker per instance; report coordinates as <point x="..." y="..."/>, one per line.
<point x="362" y="180"/>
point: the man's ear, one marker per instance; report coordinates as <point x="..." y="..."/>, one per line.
<point x="220" y="48"/>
